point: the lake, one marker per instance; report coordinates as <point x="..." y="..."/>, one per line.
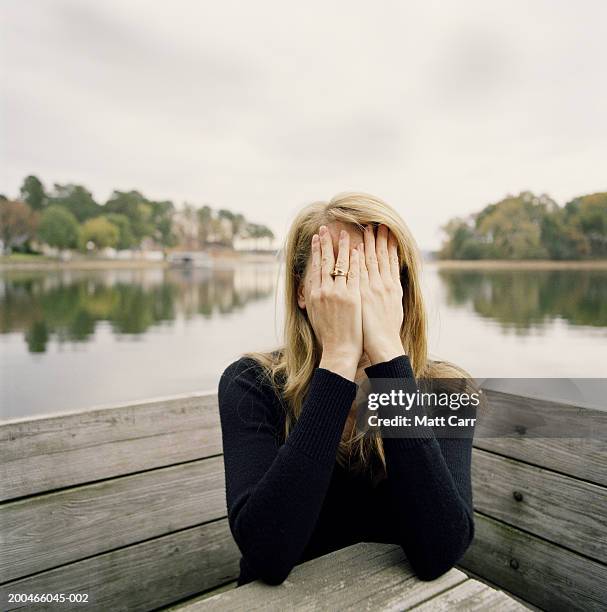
<point x="73" y="339"/>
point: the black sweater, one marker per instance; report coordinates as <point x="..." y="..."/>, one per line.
<point x="290" y="501"/>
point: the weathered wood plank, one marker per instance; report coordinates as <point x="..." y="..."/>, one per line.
<point x="483" y="580"/>
<point x="197" y="599"/>
<point x="43" y="532"/>
<point x="555" y="507"/>
<point x="53" y="452"/>
<point x="43" y="454"/>
<point x="546" y="575"/>
<point x="142" y="577"/>
<point x="580" y="458"/>
<point x="471" y="596"/>
<point x="520" y="420"/>
<point x="48" y="453"/>
<point x="515" y="415"/>
<point x="361" y="577"/>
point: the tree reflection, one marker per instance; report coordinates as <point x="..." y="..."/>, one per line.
<point x="67" y="306"/>
<point x="522" y="299"/>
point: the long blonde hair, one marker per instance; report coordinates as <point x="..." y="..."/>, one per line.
<point x="291" y="368"/>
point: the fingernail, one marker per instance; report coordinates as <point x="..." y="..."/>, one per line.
<point x="322" y="229"/>
<point x="342" y="234"/>
<point x="315" y="238"/>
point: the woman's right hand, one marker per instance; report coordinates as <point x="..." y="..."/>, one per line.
<point x="334" y="304"/>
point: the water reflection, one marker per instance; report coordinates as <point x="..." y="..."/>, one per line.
<point x="91" y="338"/>
<point x="525" y="299"/>
<point x="68" y="305"/>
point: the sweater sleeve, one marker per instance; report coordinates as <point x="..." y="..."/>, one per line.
<point x="275" y="492"/>
<point x="428" y="486"/>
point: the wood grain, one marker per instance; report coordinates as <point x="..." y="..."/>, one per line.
<point x="48" y="530"/>
<point x="472" y="596"/>
<point x="515" y="416"/>
<point x="585" y="459"/>
<point x="145" y="576"/>
<point x="361" y="577"/>
<point x="117" y="502"/>
<point x="546" y="575"/>
<point x="48" y="453"/>
<point x="558" y="508"/>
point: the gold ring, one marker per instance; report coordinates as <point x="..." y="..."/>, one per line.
<point x="338" y="272"/>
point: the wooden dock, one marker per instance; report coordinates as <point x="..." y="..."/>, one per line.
<point x="127" y="505"/>
<point x="366" y="576"/>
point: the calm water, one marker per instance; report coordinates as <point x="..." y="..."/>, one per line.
<point x="73" y="339"/>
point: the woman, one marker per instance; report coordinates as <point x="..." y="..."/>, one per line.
<point x="301" y="480"/>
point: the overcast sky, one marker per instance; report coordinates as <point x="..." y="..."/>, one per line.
<point x="260" y="107"/>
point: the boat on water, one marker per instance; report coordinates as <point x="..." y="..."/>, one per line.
<point x="190" y="259"/>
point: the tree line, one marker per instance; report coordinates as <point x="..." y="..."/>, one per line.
<point x="527" y="226"/>
<point x="69" y="217"/>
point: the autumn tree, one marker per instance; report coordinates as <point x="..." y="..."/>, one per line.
<point x="17" y="223"/>
<point x="531" y="227"/>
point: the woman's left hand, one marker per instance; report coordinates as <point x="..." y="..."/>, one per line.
<point x="382" y="295"/>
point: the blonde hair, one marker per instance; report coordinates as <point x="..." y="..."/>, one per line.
<point x="291" y="368"/>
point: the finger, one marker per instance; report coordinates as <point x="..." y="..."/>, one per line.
<point x="354" y="271"/>
<point x="327" y="259"/>
<point x="343" y="257"/>
<point x="370" y="254"/>
<point x="315" y="271"/>
<point x="364" y="273"/>
<point x="393" y="257"/>
<point x="381" y="249"/>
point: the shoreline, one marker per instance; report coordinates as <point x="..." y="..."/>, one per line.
<point x="133" y="264"/>
<point x="262" y="258"/>
<point x="81" y="265"/>
<point x="521" y="264"/>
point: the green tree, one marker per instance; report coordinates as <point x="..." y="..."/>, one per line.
<point x="513" y="227"/>
<point x="136" y="208"/>
<point x="258" y="232"/>
<point x="186" y="229"/>
<point x="162" y="222"/>
<point x="239" y="225"/>
<point x="126" y="240"/>
<point x="17" y="223"/>
<point x="75" y="198"/>
<point x="462" y="242"/>
<point x="58" y="228"/>
<point x="205" y="225"/>
<point x="518" y="227"/>
<point x="588" y="215"/>
<point x="32" y="192"/>
<point x="226" y="222"/>
<point x="563" y="240"/>
<point x="101" y="232"/>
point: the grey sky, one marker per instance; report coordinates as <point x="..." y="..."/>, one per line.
<point x="437" y="107"/>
